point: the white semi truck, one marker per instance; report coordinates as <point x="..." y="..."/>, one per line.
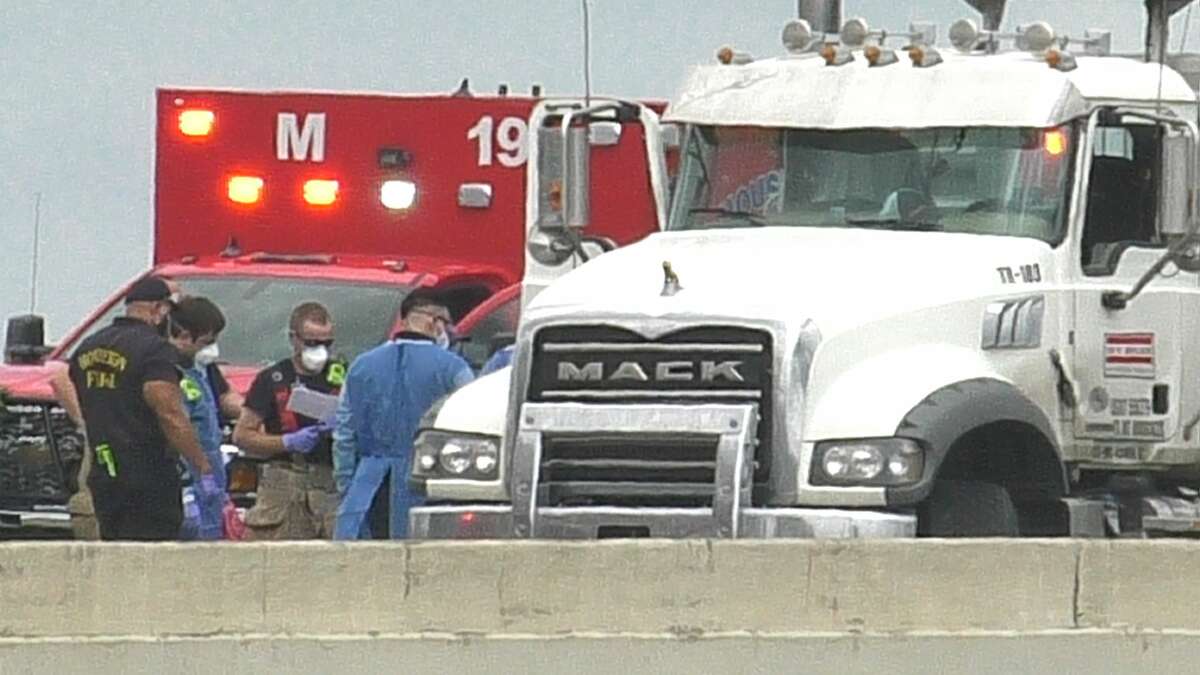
<point x="903" y="288"/>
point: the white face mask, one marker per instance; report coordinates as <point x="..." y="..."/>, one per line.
<point x="314" y="358"/>
<point x="442" y="340"/>
<point x="208" y="355"/>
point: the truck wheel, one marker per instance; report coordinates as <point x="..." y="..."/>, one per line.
<point x="967" y="509"/>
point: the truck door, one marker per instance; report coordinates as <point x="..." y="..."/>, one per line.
<point x="1127" y="362"/>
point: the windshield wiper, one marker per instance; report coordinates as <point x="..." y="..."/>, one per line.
<point x="751" y="218"/>
<point x="895" y="223"/>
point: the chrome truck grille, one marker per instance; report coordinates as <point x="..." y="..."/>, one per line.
<point x="605" y="365"/>
<point x="40" y="453"/>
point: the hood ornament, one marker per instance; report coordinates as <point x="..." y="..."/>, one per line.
<point x="671" y="284"/>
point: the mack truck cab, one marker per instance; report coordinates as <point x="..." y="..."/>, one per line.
<point x="265" y="200"/>
<point x="902" y="289"/>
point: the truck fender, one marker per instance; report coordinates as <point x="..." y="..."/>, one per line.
<point x="952" y="412"/>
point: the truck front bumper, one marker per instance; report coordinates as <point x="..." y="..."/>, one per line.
<point x="495" y="521"/>
<point x="732" y="514"/>
<point x="20" y="519"/>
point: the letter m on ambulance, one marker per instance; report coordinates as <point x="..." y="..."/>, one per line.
<point x="300" y="142"/>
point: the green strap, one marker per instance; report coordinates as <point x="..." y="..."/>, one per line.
<point x="191" y="389"/>
<point x="337" y="374"/>
<point x="104" y="455"/>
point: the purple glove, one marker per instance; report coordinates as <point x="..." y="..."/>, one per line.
<point x="305" y="440"/>
<point x="207" y="488"/>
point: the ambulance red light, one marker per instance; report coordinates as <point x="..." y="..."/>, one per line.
<point x="320" y="192"/>
<point x="245" y="189"/>
<point x="196" y="123"/>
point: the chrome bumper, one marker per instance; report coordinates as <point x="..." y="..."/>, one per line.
<point x="495" y="521"/>
<point x="731" y="515"/>
<point x="11" y="519"/>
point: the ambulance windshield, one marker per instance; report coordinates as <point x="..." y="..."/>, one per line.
<point x="257" y="309"/>
<point x="999" y="181"/>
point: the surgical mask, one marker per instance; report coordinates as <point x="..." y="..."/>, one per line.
<point x="208" y="356"/>
<point x="314" y="358"/>
<point x="442" y="340"/>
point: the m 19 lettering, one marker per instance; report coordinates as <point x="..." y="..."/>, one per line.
<point x="509" y="136"/>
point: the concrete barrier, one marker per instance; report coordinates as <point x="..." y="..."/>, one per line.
<point x="979" y="654"/>
<point x="680" y="588"/>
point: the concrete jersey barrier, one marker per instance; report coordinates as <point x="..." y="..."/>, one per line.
<point x="650" y="587"/>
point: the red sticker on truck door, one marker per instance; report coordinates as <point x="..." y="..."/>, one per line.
<point x="1129" y="355"/>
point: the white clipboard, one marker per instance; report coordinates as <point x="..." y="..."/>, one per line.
<point x="312" y="404"/>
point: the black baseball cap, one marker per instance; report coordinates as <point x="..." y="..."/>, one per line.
<point x="148" y="289"/>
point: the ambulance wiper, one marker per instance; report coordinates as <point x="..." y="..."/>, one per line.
<point x="895" y="224"/>
<point x="746" y="216"/>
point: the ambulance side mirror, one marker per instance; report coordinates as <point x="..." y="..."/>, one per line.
<point x="25" y="340"/>
<point x="1175" y="187"/>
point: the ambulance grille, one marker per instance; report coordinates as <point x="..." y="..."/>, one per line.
<point x="40" y="454"/>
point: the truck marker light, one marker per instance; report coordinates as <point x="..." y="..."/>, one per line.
<point x="320" y="192"/>
<point x="398" y="195"/>
<point x="196" y="123"/>
<point x="1055" y="142"/>
<point x="878" y="56"/>
<point x="245" y="189"/>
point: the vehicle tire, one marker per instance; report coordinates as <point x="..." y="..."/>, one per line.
<point x="967" y="509"/>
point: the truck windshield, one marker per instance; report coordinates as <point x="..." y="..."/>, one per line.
<point x="1000" y="181"/>
<point x="257" y="310"/>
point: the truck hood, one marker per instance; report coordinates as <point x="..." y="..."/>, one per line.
<point x="29" y="382"/>
<point x="837" y="277"/>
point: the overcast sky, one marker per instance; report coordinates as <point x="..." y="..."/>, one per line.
<point x="77" y="82"/>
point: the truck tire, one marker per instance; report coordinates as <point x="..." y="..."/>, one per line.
<point x="967" y="509"/>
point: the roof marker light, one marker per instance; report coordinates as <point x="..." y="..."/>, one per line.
<point x="1062" y="60"/>
<point x="245" y="189"/>
<point x="1055" y="142"/>
<point x="196" y="123"/>
<point x="320" y="192"/>
<point x="836" y="55"/>
<point x="924" y="57"/>
<point x="728" y="55"/>
<point x="878" y="56"/>
<point x="398" y="195"/>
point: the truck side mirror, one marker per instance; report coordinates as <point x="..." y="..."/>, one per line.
<point x="25" y="340"/>
<point x="576" y="181"/>
<point x="1174" y="208"/>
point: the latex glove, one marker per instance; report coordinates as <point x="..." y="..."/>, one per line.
<point x="207" y="487"/>
<point x="305" y="440"/>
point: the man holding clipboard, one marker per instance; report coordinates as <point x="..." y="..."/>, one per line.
<point x="286" y="419"/>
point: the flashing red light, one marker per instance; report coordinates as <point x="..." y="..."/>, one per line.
<point x="467" y="518"/>
<point x="1055" y="142"/>
<point x="320" y="192"/>
<point x="196" y="123"/>
<point x="245" y="189"/>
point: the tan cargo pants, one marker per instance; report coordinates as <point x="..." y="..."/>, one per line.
<point x="293" y="502"/>
<point x="84" y="526"/>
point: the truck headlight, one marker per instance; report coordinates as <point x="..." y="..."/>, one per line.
<point x="441" y="454"/>
<point x="455" y="458"/>
<point x="868" y="462"/>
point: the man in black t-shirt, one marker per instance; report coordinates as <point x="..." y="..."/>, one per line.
<point x="128" y="387"/>
<point x="296" y="496"/>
